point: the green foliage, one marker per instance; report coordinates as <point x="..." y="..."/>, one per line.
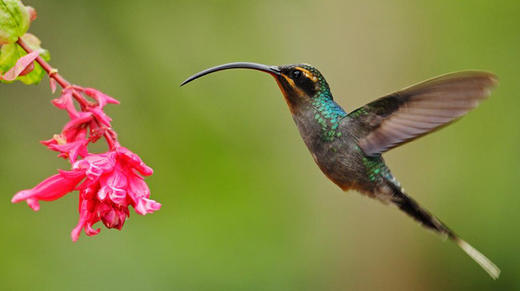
<point x="14" y="20"/>
<point x="10" y="53"/>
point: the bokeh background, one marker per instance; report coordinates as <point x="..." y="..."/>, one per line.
<point x="244" y="206"/>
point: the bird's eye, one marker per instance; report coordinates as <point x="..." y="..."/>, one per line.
<point x="296" y="74"/>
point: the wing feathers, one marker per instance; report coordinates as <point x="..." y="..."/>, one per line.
<point x="422" y="108"/>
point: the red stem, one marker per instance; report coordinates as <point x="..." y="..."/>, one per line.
<point x="53" y="73"/>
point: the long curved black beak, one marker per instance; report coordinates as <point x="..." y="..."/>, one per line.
<point x="273" y="70"/>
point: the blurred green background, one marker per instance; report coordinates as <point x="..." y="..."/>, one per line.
<point x="244" y="206"/>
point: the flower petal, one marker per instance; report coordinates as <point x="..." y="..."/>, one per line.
<point x="145" y="206"/>
<point x="134" y="160"/>
<point x="100" y="97"/>
<point x="70" y="150"/>
<point x="80" y="119"/>
<point x="96" y="165"/>
<point x="49" y="189"/>
<point x="137" y="187"/>
<point x="115" y="184"/>
<point x="66" y="102"/>
<point x="100" y="115"/>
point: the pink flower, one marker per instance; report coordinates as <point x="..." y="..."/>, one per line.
<point x="100" y="97"/>
<point x="72" y="142"/>
<point x="66" y="102"/>
<point x="108" y="183"/>
<point x="102" y="100"/>
<point x="50" y="189"/>
<point x="111" y="186"/>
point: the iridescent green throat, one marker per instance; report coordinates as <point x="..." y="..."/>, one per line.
<point x="328" y="114"/>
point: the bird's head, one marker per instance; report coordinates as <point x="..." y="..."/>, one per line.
<point x="299" y="83"/>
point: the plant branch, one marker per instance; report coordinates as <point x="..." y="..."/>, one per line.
<point x="53" y="73"/>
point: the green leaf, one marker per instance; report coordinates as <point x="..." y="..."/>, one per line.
<point x="10" y="53"/>
<point x="14" y="20"/>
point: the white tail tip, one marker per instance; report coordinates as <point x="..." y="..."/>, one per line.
<point x="484" y="262"/>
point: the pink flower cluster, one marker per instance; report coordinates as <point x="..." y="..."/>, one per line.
<point x="108" y="183"/>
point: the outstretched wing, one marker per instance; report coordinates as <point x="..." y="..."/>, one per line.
<point x="420" y="109"/>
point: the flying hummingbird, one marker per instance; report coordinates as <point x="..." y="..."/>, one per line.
<point x="348" y="146"/>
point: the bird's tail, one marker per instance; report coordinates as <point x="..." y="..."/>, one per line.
<point x="412" y="208"/>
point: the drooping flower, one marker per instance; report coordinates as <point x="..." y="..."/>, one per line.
<point x="111" y="185"/>
<point x="108" y="183"/>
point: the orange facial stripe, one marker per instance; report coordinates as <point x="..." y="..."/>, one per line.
<point x="291" y="83"/>
<point x="308" y="74"/>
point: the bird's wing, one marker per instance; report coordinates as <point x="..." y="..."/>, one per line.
<point x="420" y="109"/>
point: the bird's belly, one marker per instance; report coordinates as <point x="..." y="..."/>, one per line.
<point x="338" y="156"/>
<point x="341" y="164"/>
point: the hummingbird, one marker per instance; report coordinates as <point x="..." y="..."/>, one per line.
<point x="348" y="146"/>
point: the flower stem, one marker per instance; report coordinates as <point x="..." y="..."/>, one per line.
<point x="53" y="73"/>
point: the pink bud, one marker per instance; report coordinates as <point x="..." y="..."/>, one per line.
<point x="52" y="84"/>
<point x="112" y="216"/>
<point x="66" y="102"/>
<point x="100" y="97"/>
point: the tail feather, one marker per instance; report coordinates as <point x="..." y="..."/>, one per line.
<point x="412" y="208"/>
<point x="478" y="257"/>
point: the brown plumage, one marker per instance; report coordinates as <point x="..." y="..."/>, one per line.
<point x="420" y="109"/>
